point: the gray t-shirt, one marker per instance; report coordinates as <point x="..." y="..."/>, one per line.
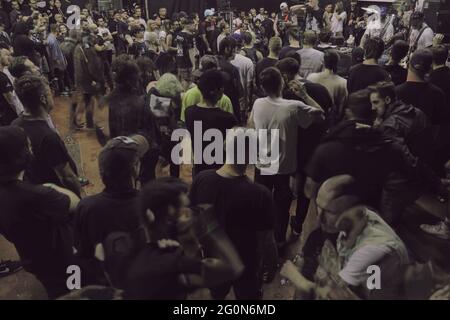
<point x="281" y="117"/>
<point x="312" y="61"/>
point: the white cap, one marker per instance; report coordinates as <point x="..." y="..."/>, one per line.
<point x="283" y="5"/>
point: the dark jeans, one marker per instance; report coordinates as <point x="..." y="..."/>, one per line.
<point x="282" y="195"/>
<point x="148" y="166"/>
<point x="247" y="287"/>
<point x="302" y="205"/>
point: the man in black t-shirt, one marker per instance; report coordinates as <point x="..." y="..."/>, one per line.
<point x="314" y="16"/>
<point x="205" y="31"/>
<point x="422" y="94"/>
<point x="208" y="116"/>
<point x="396" y="71"/>
<point x="51" y="161"/>
<point x="246" y="212"/>
<point x="114" y="208"/>
<point x="35" y="218"/>
<point x="431" y="100"/>
<point x="186" y="52"/>
<point x="368" y="72"/>
<point x="232" y="84"/>
<point x="275" y="46"/>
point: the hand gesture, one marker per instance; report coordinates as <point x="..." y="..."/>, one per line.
<point x="437" y="40"/>
<point x="298" y="88"/>
<point x="289" y="270"/>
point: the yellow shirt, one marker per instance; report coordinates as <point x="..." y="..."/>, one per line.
<point x="193" y="97"/>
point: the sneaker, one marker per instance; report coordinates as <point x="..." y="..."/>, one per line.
<point x="8" y="267"/>
<point x="440" y="230"/>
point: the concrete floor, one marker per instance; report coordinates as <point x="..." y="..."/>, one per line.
<point x="84" y="147"/>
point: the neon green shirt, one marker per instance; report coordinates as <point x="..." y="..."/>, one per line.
<point x="193" y="97"/>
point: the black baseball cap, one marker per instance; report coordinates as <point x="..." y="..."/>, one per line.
<point x="421" y="60"/>
<point x="13" y="146"/>
<point x="120" y="153"/>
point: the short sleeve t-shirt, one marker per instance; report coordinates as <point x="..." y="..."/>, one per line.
<point x="99" y="215"/>
<point x="282" y="117"/>
<point x="207" y="118"/>
<point x="48" y="149"/>
<point x="337" y="22"/>
<point x="184" y="42"/>
<point x="262" y="65"/>
<point x="193" y="97"/>
<point x="36" y="220"/>
<point x="312" y="61"/>
<point x="362" y="75"/>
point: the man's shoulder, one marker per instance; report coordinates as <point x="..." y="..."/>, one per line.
<point x="37" y="192"/>
<point x="206" y="176"/>
<point x="260" y="101"/>
<point x="436" y="90"/>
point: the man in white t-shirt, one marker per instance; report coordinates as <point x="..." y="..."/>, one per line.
<point x="284" y="116"/>
<point x="368" y="260"/>
<point x="312" y="59"/>
<point x="337" y="20"/>
<point x="422" y="35"/>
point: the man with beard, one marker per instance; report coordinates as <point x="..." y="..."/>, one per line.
<point x="338" y="268"/>
<point x="405" y="123"/>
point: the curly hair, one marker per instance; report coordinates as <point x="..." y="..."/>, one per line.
<point x="126" y="74"/>
<point x="30" y="89"/>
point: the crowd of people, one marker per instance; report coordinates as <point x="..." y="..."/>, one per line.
<point x="358" y="143"/>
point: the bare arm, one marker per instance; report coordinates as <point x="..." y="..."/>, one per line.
<point x="74" y="199"/>
<point x="275" y="26"/>
<point x="311" y="188"/>
<point x="68" y="178"/>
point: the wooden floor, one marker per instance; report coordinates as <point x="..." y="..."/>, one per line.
<point x="84" y="148"/>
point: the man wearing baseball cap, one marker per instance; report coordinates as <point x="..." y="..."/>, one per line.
<point x="283" y="21"/>
<point x="35" y="218"/>
<point x="113" y="209"/>
<point x="420" y="93"/>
